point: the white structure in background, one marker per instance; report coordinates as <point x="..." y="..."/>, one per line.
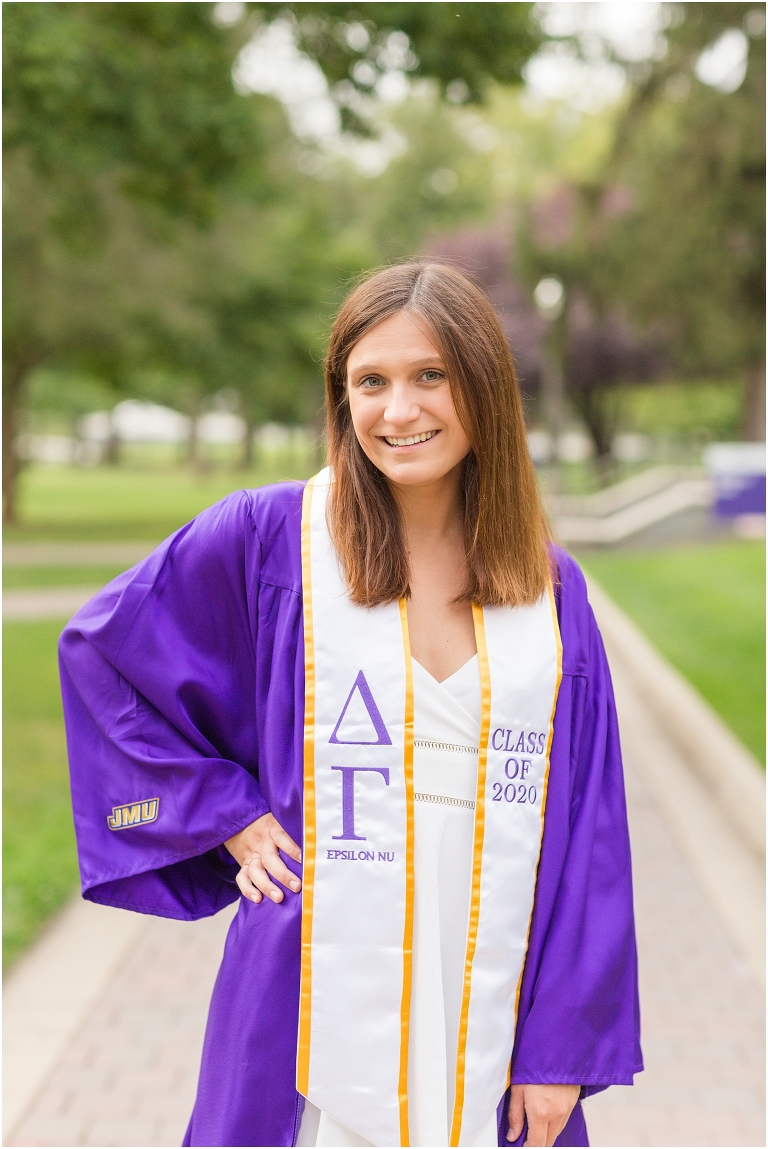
<point x="136" y="422"/>
<point x="54" y="450"/>
<point x="274" y="437"/>
<point x="220" y="427"/>
<point x="540" y="446"/>
<point x="574" y="447"/>
<point x="631" y="448"/>
<point x="279" y="437"/>
<point x="738" y="476"/>
<point x="95" y="427"/>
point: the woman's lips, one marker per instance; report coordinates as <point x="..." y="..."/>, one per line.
<point x="408" y="440"/>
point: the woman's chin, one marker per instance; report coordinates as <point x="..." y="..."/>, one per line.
<point x="414" y="472"/>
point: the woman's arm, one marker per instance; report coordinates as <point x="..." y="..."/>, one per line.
<point x="578" y="1018"/>
<point x="158" y="681"/>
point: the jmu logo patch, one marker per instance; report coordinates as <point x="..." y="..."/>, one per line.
<point x="133" y="814"/>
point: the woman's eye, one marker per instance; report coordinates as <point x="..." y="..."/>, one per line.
<point x="370" y="381"/>
<point x="432" y="376"/>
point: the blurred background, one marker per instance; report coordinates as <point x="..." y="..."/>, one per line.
<point x="191" y="189"/>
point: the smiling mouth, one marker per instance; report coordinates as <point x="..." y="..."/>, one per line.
<point x="409" y="440"/>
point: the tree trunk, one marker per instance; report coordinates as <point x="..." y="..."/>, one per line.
<point x="552" y="390"/>
<point x="593" y="407"/>
<point x="193" y="445"/>
<point x="16" y="374"/>
<point x="112" y="449"/>
<point x="247" y="457"/>
<point x="753" y="414"/>
<point x="599" y="423"/>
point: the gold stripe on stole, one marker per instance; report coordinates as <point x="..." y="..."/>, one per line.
<point x="310" y="822"/>
<point x="544" y="791"/>
<point x="559" y="642"/>
<point x="477" y="867"/>
<point x="477" y="860"/>
<point x="405" y="1008"/>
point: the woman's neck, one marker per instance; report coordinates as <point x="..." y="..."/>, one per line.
<point x="431" y="512"/>
<point x="440" y="623"/>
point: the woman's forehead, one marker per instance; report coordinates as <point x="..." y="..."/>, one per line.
<point x="399" y="336"/>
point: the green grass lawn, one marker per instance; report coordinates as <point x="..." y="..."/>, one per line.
<point x="704" y="607"/>
<point x="39" y="863"/>
<point x="115" y="503"/>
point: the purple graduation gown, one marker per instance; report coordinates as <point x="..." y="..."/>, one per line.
<point x="183" y="680"/>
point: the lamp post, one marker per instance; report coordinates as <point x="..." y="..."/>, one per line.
<point x="549" y="297"/>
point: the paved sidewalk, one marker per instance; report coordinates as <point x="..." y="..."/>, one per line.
<point x="45" y="602"/>
<point x="126" y="1076"/>
<point x="702" y="1009"/>
<point x="74" y="554"/>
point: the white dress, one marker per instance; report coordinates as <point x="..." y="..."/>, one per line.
<point x="446" y="735"/>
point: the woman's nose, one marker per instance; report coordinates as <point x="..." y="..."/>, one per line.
<point x="401" y="407"/>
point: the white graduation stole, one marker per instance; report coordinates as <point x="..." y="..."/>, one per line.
<point x="357" y="916"/>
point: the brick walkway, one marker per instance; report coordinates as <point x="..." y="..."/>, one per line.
<point x="128" y="1076"/>
<point x="702" y="1014"/>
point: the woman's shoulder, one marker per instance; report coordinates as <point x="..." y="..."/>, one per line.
<point x="275" y="511"/>
<point x="266" y="511"/>
<point x="570" y="577"/>
<point x="573" y="611"/>
<point x="275" y="506"/>
<point x="251" y="530"/>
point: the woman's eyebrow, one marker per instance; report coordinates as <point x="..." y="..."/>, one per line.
<point x="373" y="368"/>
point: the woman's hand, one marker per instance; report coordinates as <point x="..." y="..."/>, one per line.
<point x="256" y="849"/>
<point x="547" y="1108"/>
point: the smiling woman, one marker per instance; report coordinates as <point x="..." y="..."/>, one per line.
<point x="378" y="707"/>
<point x="407" y="428"/>
<point x="417" y="350"/>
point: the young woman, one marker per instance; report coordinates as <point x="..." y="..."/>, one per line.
<point x="389" y="686"/>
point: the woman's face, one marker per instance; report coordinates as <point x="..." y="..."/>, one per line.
<point x="401" y="403"/>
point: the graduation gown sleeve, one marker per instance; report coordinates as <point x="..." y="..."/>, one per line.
<point x="158" y="680"/>
<point x="579" y="1012"/>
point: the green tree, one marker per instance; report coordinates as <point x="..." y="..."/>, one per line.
<point x="126" y="147"/>
<point x="664" y="243"/>
<point x="468" y="45"/>
<point x="690" y="255"/>
<point x="120" y="122"/>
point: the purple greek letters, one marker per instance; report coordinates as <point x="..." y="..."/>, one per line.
<point x="348" y="799"/>
<point x="382" y="735"/>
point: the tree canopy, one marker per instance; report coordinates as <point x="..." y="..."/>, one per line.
<point x="662" y="249"/>
<point x="158" y="232"/>
<point x="167" y="234"/>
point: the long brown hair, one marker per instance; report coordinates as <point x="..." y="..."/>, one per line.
<point x="505" y="528"/>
